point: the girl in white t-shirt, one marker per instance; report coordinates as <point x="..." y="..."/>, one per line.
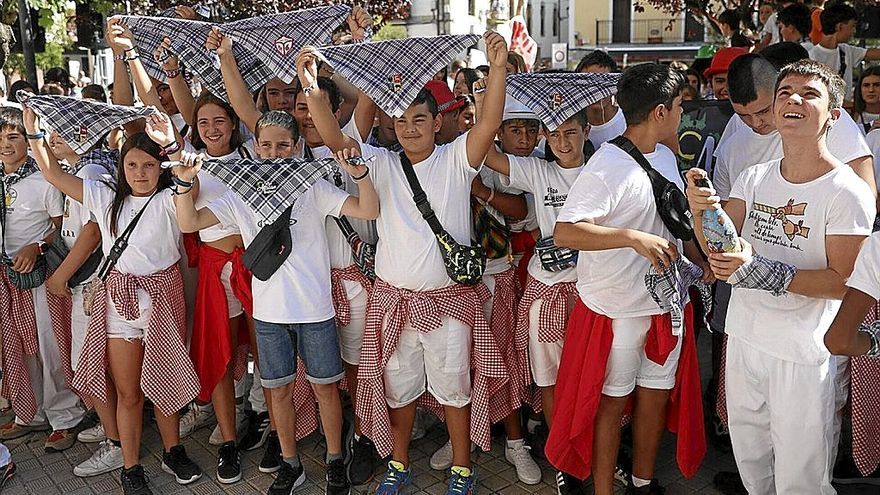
<point x="137" y="317"/>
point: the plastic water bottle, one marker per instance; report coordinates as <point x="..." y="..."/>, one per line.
<point x="718" y="228"/>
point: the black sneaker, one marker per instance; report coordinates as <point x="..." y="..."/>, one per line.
<point x="271" y="461"/>
<point x="729" y="483"/>
<point x="347" y="438"/>
<point x="623" y="469"/>
<point x="538" y="439"/>
<point x="567" y="484"/>
<point x="134" y="481"/>
<point x="258" y="430"/>
<point x="653" y="488"/>
<point x="337" y="482"/>
<point x="228" y="463"/>
<point x="177" y="463"/>
<point x="364" y="461"/>
<point x="288" y="479"/>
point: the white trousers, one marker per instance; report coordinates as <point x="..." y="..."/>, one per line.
<point x="782" y="421"/>
<point x="56" y="403"/>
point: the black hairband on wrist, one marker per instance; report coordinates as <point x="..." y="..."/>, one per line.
<point x="170" y="149"/>
<point x="361" y="177"/>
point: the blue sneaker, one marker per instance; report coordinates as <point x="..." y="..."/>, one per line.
<point x="462" y="481"/>
<point x="396" y="477"/>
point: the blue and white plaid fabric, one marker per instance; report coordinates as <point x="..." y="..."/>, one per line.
<point x="104" y="157"/>
<point x="669" y="289"/>
<point x="81" y="123"/>
<point x="764" y="274"/>
<point x="269" y="186"/>
<point x="557" y="96"/>
<point x="264" y="46"/>
<point x="393" y="72"/>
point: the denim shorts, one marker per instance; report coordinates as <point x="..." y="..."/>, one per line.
<point x="316" y="343"/>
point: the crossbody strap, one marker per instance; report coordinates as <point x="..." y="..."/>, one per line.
<point x="626" y="145"/>
<point x="121" y="242"/>
<point x="419" y="195"/>
<point x="842" y="71"/>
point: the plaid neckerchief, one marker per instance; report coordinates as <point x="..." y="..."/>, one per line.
<point x="81" y="123"/>
<point x="269" y="186"/>
<point x="669" y="289"/>
<point x="264" y="46"/>
<point x="393" y="72"/>
<point x="557" y="96"/>
<point x="106" y="158"/>
<point x="27" y="168"/>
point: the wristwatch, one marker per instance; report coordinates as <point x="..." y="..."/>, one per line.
<point x="308" y="89"/>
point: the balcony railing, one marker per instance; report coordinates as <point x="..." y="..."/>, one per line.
<point x="642" y="31"/>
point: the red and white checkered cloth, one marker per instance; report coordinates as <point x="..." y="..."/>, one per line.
<point x="552" y="318"/>
<point x="19" y="327"/>
<point x="424" y="311"/>
<point x="721" y="393"/>
<point x="503" y="326"/>
<point x="168" y="378"/>
<point x="340" y="296"/>
<point x="865" y="396"/>
<point x="304" y="403"/>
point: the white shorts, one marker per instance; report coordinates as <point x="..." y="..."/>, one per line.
<point x="628" y="365"/>
<point x="120" y="328"/>
<point x="544" y="357"/>
<point x="351" y="336"/>
<point x="232" y="302"/>
<point x="439" y="358"/>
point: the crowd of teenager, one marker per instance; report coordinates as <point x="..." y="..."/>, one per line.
<point x="364" y="330"/>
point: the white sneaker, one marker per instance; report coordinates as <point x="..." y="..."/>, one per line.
<point x="92" y="435"/>
<point x="527" y="469"/>
<point x="240" y="427"/>
<point x="197" y="417"/>
<point x="441" y="460"/>
<point x="107" y="458"/>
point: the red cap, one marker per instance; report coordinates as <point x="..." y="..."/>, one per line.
<point x="722" y="59"/>
<point x="446" y="100"/>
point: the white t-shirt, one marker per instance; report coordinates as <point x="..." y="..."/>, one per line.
<point x="770" y="27"/>
<point x="792" y="327"/>
<point x="154" y="242"/>
<point x="614" y="191"/>
<point x="407" y="254"/>
<point x="299" y="292"/>
<point x="211" y="188"/>
<point x="733" y="126"/>
<point x="549" y="184"/>
<point x="745" y="148"/>
<point x="831" y="57"/>
<point x="873" y="140"/>
<point x="75" y="215"/>
<point x="31" y="204"/>
<point x="600" y="134"/>
<point x="866" y="274"/>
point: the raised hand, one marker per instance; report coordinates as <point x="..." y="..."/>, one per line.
<point x="160" y="129"/>
<point x="218" y="42"/>
<point x="350" y="161"/>
<point x="165" y="56"/>
<point x="358" y="22"/>
<point x="307" y="66"/>
<point x="30" y="119"/>
<point x="496" y="49"/>
<point x="118" y="35"/>
<point x="190" y="164"/>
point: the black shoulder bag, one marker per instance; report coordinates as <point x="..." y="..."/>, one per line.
<point x="270" y="248"/>
<point x="122" y="242"/>
<point x="464" y="264"/>
<point x="672" y="205"/>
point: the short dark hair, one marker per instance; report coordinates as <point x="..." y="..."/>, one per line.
<point x="278" y="118"/>
<point x="796" y="15"/>
<point x="470" y="76"/>
<point x="516" y="60"/>
<point x="784" y="53"/>
<point x="597" y="57"/>
<point x="16" y="86"/>
<point x="95" y="92"/>
<point x="642" y="87"/>
<point x="732" y="18"/>
<point x="747" y="76"/>
<point x="810" y="68"/>
<point x="327" y="86"/>
<point x="740" y="40"/>
<point x="426" y="97"/>
<point x="835" y="14"/>
<point x="11" y="117"/>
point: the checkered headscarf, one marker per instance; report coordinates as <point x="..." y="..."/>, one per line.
<point x="264" y="46"/>
<point x="81" y="123"/>
<point x="269" y="186"/>
<point x="669" y="289"/>
<point x="104" y="157"/>
<point x="393" y="72"/>
<point x="557" y="96"/>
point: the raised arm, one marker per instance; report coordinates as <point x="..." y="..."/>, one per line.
<point x="68" y="184"/>
<point x="481" y="137"/>
<point x="120" y="38"/>
<point x="322" y="115"/>
<point x="180" y="91"/>
<point x="512" y="206"/>
<point x="188" y="217"/>
<point x="364" y="115"/>
<point x="239" y="95"/>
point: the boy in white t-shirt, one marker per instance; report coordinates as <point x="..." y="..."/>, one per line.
<point x="35" y="378"/>
<point x="409" y="350"/>
<point x="848" y="335"/>
<point x="605" y="118"/>
<point x="804" y="217"/>
<point x="611" y="217"/>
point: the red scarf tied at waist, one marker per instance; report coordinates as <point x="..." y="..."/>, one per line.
<point x="210" y="349"/>
<point x="582" y="376"/>
<point x="340" y="296"/>
<point x="167" y="377"/>
<point x="503" y="326"/>
<point x="19" y="327"/>
<point x="424" y="311"/>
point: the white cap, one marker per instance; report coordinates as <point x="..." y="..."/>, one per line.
<point x="513" y="109"/>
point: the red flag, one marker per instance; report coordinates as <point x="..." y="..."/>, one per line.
<point x="521" y="42"/>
